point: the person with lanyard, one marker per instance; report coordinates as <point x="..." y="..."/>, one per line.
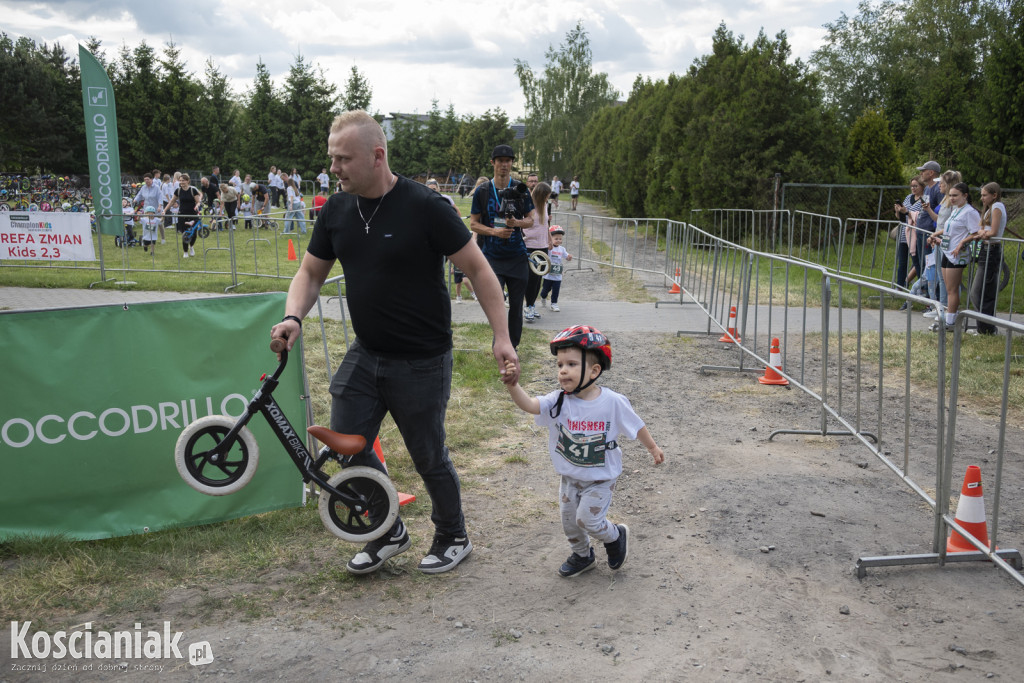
<point x="391" y="235"/>
<point x="499" y="213"/>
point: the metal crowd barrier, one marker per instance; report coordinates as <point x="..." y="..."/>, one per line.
<point x="836" y="328"/>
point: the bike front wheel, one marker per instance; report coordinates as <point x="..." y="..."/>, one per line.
<point x="378" y="499"/>
<point x="213" y="471"/>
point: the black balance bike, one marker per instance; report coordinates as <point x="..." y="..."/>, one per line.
<point x="217" y="455"/>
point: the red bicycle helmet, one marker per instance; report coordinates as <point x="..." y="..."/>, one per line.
<point x="556" y="230"/>
<point x="584" y="337"/>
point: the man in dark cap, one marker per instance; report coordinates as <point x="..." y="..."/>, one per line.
<point x="500" y="211"/>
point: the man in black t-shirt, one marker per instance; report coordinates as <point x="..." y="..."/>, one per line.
<point x="210" y="189"/>
<point x="391" y="236"/>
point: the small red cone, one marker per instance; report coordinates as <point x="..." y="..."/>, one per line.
<point x="774" y="363"/>
<point x="730" y="336"/>
<point x="970" y="514"/>
<point x="291" y="252"/>
<point x="675" y="284"/>
<point x="403" y="498"/>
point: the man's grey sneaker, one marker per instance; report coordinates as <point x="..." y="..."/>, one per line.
<point x="444" y="554"/>
<point x="373" y="554"/>
<point x="618" y="550"/>
<point x="576" y="564"/>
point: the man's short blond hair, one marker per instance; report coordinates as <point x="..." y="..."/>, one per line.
<point x="369" y="128"/>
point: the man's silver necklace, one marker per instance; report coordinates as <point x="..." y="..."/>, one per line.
<point x="366" y="221"/>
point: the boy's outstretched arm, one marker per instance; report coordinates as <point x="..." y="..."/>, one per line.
<point x="522" y="399"/>
<point x="644" y="437"/>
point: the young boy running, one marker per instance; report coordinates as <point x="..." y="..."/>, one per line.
<point x="584" y="420"/>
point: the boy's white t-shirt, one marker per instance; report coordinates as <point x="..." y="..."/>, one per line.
<point x="578" y="437"/>
<point x="149" y="227"/>
<point x="557" y="256"/>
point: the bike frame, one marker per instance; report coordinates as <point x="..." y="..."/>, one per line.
<point x="311" y="469"/>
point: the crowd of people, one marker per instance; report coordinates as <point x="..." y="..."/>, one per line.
<point x="179" y="205"/>
<point x="942" y="232"/>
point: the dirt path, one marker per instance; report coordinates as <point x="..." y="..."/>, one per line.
<point x="740" y="567"/>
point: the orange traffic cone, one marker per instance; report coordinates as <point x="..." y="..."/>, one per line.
<point x="774" y="363"/>
<point x="970" y="514"/>
<point x="675" y="284"/>
<point x="730" y="336"/>
<point x="403" y="498"/>
<point x="291" y="252"/>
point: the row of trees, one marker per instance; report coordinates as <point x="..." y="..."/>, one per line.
<point x="944" y="74"/>
<point x="901" y="82"/>
<point x="715" y="136"/>
<point x="170" y="118"/>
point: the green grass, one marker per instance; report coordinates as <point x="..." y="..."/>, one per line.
<point x="982" y="361"/>
<point x="244" y="568"/>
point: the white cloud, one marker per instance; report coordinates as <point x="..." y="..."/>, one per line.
<point x="457" y="51"/>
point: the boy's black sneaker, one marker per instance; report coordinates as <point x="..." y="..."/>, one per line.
<point x="445" y="553"/>
<point x="619" y="548"/>
<point x="373" y="554"/>
<point x="576" y="565"/>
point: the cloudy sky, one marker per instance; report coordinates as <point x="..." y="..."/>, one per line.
<point x="459" y="52"/>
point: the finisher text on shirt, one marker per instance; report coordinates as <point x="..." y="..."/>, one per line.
<point x="585" y="425"/>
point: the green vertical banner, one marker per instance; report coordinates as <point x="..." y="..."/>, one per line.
<point x="94" y="400"/>
<point x="101" y="138"/>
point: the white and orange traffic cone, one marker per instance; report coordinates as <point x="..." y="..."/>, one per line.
<point x="774" y="363"/>
<point x="675" y="284"/>
<point x="403" y="498"/>
<point x="730" y="336"/>
<point x="970" y="514"/>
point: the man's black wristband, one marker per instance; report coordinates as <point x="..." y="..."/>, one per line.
<point x="293" y="317"/>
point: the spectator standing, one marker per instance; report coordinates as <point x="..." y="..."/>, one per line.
<point x="940" y="215"/>
<point x="297" y="179"/>
<point x="930" y="198"/>
<point x="167" y="188"/>
<point x="536" y="239"/>
<point x="275" y="191"/>
<point x="325" y="181"/>
<point x="574" y="190"/>
<point x="391" y="235"/>
<point x="236" y="182"/>
<point x="906" y="213"/>
<point x="149" y="193"/>
<point x="215" y="176"/>
<point x="500" y="214"/>
<point x="293" y="207"/>
<point x="964" y="222"/>
<point x="985" y="287"/>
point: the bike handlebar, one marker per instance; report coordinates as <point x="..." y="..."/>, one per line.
<point x="278" y="344"/>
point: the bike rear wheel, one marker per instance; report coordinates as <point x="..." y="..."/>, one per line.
<point x="378" y="497"/>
